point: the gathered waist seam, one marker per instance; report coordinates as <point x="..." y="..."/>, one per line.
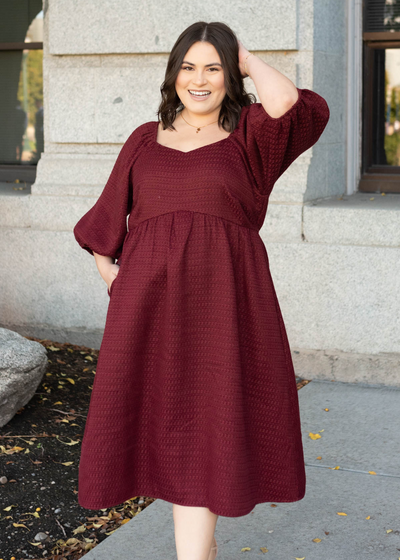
<point x="255" y="228"/>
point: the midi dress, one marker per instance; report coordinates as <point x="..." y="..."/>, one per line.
<point x="194" y="399"/>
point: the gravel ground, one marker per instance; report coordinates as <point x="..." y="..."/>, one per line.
<point x="39" y="457"/>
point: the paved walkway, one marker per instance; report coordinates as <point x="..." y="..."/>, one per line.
<point x="361" y="433"/>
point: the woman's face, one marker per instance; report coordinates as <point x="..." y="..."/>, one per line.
<point x="201" y="71"/>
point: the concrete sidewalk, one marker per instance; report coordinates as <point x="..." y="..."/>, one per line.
<point x="361" y="433"/>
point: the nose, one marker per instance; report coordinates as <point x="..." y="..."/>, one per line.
<point x="199" y="78"/>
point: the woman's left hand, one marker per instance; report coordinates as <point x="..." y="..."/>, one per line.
<point x="243" y="53"/>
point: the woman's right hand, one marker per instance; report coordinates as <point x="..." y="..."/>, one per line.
<point x="107" y="268"/>
<point x="110" y="274"/>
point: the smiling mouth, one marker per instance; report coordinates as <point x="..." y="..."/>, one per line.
<point x="202" y="93"/>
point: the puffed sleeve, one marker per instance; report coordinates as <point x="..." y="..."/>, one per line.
<point x="103" y="228"/>
<point x="272" y="144"/>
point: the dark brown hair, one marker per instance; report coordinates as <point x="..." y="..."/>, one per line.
<point x="225" y="42"/>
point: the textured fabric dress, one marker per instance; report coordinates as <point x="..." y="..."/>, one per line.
<point x="194" y="399"/>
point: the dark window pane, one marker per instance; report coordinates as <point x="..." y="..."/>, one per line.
<point x="21" y="95"/>
<point x="382" y="15"/>
<point x="15" y="18"/>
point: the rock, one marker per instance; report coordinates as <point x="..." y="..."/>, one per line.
<point x="41" y="537"/>
<point x="23" y="363"/>
<point x="3" y="479"/>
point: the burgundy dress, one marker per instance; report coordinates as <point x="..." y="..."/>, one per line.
<point x="194" y="399"/>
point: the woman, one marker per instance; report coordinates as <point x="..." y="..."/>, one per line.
<point x="194" y="399"/>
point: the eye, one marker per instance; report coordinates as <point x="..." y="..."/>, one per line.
<point x="190" y="68"/>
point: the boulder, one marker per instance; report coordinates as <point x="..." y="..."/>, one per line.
<point x="23" y="363"/>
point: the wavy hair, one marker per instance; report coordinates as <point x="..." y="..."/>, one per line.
<point x="225" y="42"/>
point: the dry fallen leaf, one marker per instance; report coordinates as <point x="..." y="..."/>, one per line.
<point x="20" y="525"/>
<point x="389" y="531"/>
<point x="316" y="540"/>
<point x="245" y="549"/>
<point x="71" y="380"/>
<point x="326" y="409"/>
<point x="369" y="517"/>
<point x="67" y="443"/>
<point x="319" y="458"/>
<point x="71" y="541"/>
<point x="68" y="464"/>
<point x="79" y="529"/>
<point x="314" y="436"/>
<point x="371" y="472"/>
<point x="341" y="513"/>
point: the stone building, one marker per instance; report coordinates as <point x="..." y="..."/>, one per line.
<point x="332" y="230"/>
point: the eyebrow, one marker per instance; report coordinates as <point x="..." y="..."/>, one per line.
<point x="212" y="64"/>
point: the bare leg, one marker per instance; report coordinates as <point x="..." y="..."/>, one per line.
<point x="194" y="531"/>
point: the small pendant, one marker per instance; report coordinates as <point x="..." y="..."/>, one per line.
<point x="198" y="130"/>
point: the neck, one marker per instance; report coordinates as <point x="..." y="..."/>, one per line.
<point x="200" y="119"/>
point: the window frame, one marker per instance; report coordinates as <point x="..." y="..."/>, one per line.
<point x="11" y="172"/>
<point x="373" y="177"/>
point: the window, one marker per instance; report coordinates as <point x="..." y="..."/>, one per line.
<point x="381" y="97"/>
<point x="21" y="91"/>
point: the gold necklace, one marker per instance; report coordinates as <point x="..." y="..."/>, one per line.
<point x="198" y="127"/>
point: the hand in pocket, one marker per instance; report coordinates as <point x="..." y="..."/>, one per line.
<point x="112" y="273"/>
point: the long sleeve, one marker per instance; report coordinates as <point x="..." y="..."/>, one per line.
<point x="103" y="228"/>
<point x="272" y="144"/>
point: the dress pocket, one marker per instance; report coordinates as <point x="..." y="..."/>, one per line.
<point x="110" y="289"/>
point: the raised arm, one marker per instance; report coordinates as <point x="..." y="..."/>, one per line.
<point x="276" y="92"/>
<point x="286" y="123"/>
